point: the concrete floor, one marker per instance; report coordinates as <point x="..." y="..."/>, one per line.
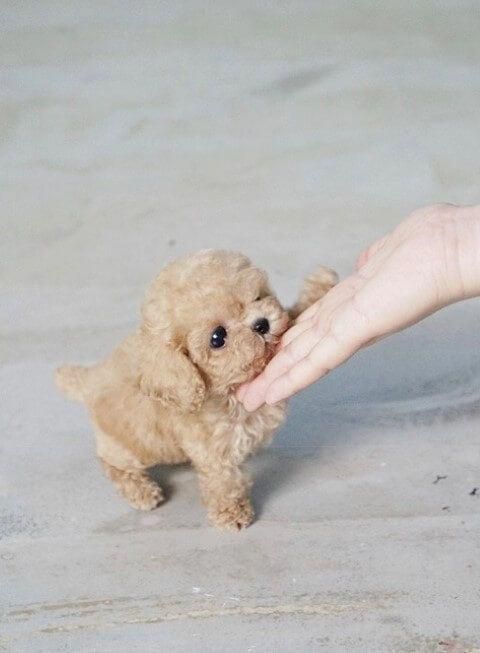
<point x="296" y="132"/>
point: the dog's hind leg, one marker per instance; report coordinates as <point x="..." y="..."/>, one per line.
<point x="125" y="458"/>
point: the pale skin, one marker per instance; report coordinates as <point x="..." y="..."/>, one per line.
<point x="431" y="259"/>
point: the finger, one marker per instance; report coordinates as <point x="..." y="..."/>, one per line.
<point x="338" y="308"/>
<point x="300" y="347"/>
<point x="338" y="295"/>
<point x="281" y="363"/>
<point x="288" y="356"/>
<point x="308" y="313"/>
<point x="295" y="331"/>
<point x="325" y="356"/>
<point x="348" y="331"/>
<point x="254" y="395"/>
<point x="297" y="378"/>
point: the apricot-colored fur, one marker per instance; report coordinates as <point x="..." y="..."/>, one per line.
<point x="166" y="396"/>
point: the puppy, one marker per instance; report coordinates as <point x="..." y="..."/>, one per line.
<point x="167" y="394"/>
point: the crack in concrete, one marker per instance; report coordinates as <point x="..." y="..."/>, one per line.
<point x="255" y="610"/>
<point x="152" y="610"/>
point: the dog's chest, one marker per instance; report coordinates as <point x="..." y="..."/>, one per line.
<point x="241" y="433"/>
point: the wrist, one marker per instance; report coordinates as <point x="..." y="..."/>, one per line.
<point x="466" y="250"/>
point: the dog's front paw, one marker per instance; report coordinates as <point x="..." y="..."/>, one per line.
<point x="143" y="494"/>
<point x="234" y="516"/>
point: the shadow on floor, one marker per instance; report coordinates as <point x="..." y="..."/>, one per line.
<point x="164" y="475"/>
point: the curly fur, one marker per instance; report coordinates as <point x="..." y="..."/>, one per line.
<point x="165" y="396"/>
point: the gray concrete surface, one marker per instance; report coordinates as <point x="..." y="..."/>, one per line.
<point x="296" y="132"/>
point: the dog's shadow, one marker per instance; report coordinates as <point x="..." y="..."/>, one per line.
<point x="318" y="426"/>
<point x="305" y="441"/>
<point x="395" y="386"/>
<point x="164" y="476"/>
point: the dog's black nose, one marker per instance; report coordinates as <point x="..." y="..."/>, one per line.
<point x="262" y="325"/>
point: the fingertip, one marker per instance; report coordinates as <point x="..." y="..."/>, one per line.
<point x="252" y="403"/>
<point x="294" y="332"/>
<point x="277" y="391"/>
<point x="251" y="394"/>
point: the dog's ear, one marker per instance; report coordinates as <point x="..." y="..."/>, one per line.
<point x="251" y="279"/>
<point x="168" y="375"/>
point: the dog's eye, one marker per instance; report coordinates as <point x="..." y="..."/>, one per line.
<point x="262" y="325"/>
<point x="217" y="339"/>
<point x="257" y="299"/>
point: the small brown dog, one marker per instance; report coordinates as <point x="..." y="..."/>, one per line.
<point x="167" y="394"/>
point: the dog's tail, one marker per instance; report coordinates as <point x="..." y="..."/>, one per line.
<point x="314" y="288"/>
<point x="73" y="381"/>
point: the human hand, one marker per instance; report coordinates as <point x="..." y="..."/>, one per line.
<point x="430" y="260"/>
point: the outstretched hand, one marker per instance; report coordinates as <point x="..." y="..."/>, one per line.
<point x="430" y="260"/>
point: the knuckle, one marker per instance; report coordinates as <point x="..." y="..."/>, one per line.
<point x="289" y="354"/>
<point x="319" y="328"/>
<point x="360" y="312"/>
<point x="337" y="335"/>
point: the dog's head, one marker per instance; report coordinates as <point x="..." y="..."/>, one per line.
<point x="210" y="322"/>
